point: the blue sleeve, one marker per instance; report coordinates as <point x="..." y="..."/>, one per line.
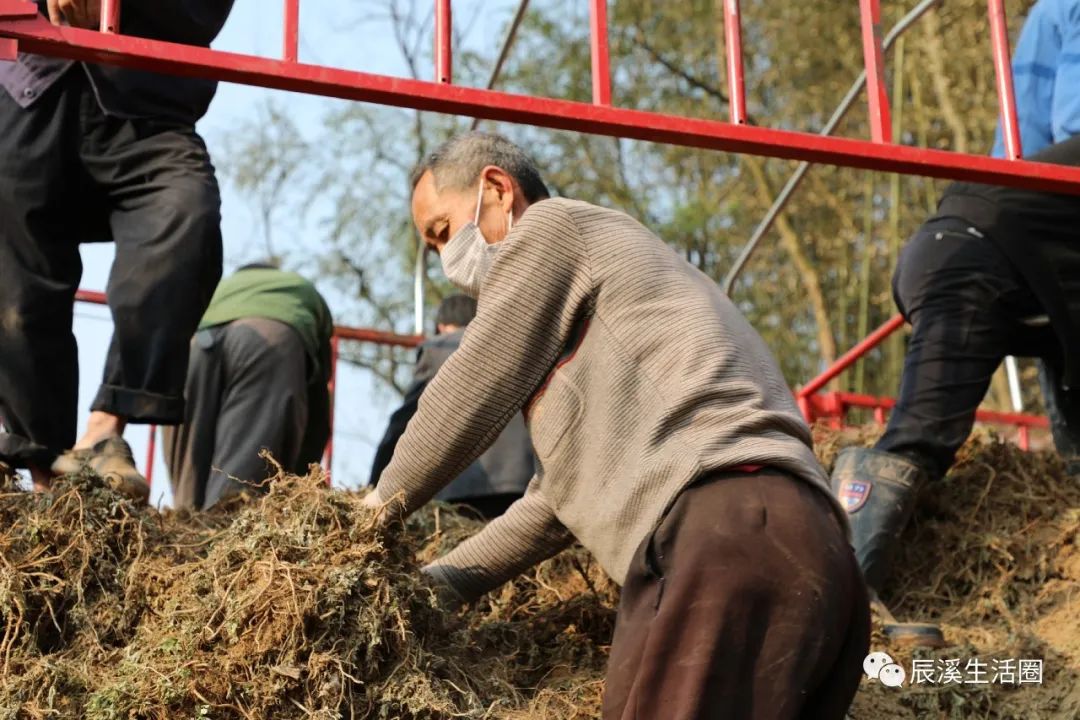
<point x="1065" y="110"/>
<point x="1035" y="64"/>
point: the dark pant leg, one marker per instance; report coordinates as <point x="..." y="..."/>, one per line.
<point x="1063" y="411"/>
<point x="746" y="602"/>
<point x="189" y="447"/>
<point x="965" y="303"/>
<point x="485" y="507"/>
<point x="263" y="405"/>
<point x="164" y="215"/>
<point x="39" y="273"/>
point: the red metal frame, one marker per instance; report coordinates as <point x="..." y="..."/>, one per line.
<point x="444" y="33"/>
<point x="22" y="28"/>
<point x="291" y="36"/>
<point x="38" y="36"/>
<point x="601" y="54"/>
<point x="9" y="48"/>
<point x="999" y="36"/>
<point x="847" y="360"/>
<point x="110" y="16"/>
<point x="833" y="408"/>
<point x="733" y="48"/>
<point x="877" y="93"/>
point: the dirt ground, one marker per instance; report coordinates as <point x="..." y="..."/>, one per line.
<point x="293" y="606"/>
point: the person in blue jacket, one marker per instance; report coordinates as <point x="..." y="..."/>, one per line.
<point x="976" y="288"/>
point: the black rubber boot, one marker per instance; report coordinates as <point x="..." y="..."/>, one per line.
<point x="1063" y="411"/>
<point x="878" y="491"/>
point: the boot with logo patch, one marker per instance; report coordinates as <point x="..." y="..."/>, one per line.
<point x="878" y="491"/>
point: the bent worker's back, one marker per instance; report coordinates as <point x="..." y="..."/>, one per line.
<point x="641" y="398"/>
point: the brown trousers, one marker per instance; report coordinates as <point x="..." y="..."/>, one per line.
<point x="745" y="602"/>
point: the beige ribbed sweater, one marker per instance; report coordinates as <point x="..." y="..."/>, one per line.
<point x="637" y="376"/>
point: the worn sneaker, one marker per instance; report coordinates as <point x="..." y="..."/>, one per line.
<point x="113" y="462"/>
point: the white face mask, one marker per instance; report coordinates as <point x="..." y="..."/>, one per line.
<point x="468" y="256"/>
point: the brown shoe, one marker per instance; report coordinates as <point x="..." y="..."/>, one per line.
<point x="112" y="461"/>
<point x="8" y="478"/>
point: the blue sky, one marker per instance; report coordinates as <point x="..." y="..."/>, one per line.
<point x="254" y="27"/>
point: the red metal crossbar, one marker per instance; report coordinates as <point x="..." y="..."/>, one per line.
<point x="444" y="53"/>
<point x="291" y="36"/>
<point x="999" y="35"/>
<point x="876" y="91"/>
<point x="110" y="16"/>
<point x="601" y="63"/>
<point x="36" y="35"/>
<point x="733" y="48"/>
<point x="833" y="408"/>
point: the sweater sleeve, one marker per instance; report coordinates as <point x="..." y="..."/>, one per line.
<point x="526" y="534"/>
<point x="537" y="287"/>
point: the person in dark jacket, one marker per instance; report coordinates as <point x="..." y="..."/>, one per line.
<point x="992" y="273"/>
<point x="90" y="153"/>
<point x="257" y="379"/>
<point x="491" y="484"/>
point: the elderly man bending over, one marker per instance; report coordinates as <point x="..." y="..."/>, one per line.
<point x="668" y="445"/>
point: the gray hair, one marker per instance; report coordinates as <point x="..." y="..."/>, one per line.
<point x="457" y="164"/>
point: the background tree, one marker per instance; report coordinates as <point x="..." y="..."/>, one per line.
<point x="822" y="278"/>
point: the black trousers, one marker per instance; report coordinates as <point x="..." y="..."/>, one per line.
<point x="70" y="174"/>
<point x="248" y="389"/>
<point x="745" y="603"/>
<point x="967" y="306"/>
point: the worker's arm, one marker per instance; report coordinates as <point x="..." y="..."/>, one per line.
<point x="537" y="287"/>
<point x="1065" y="113"/>
<point x="526" y="534"/>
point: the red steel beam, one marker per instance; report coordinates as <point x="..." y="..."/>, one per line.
<point x="851" y="356"/>
<point x="110" y="19"/>
<point x="444" y="54"/>
<point x="601" y="56"/>
<point x="343" y="332"/>
<point x="38" y="36"/>
<point x="151" y="448"/>
<point x="733" y="47"/>
<point x="9" y="48"/>
<point x="877" y="93"/>
<point x="830" y="402"/>
<point x="90" y="296"/>
<point x="291" y="39"/>
<point x="377" y="336"/>
<point x="999" y="37"/>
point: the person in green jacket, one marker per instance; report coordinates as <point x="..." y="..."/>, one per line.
<point x="257" y="379"/>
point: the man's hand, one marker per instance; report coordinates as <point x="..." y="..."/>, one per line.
<point x="371" y="500"/>
<point x="78" y="13"/>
